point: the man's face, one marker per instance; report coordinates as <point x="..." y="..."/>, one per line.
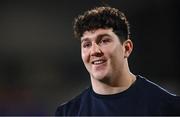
<point x="102" y="53"/>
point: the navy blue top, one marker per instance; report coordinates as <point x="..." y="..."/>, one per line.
<point x="142" y="98"/>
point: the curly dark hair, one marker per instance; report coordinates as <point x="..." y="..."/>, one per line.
<point x="102" y="17"/>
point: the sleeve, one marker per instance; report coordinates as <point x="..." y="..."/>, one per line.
<point x="176" y="105"/>
<point x="60" y="111"/>
<point x="173" y="107"/>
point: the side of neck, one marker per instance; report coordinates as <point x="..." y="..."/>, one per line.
<point x="122" y="84"/>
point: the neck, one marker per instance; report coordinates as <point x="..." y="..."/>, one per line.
<point x="113" y="85"/>
<point x="106" y="89"/>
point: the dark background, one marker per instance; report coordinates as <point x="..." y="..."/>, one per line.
<point x="40" y="62"/>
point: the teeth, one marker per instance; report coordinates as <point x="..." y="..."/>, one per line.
<point x="97" y="62"/>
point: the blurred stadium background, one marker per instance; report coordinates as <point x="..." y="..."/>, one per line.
<point x="40" y="64"/>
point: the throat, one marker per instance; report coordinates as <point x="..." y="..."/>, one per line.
<point x="108" y="88"/>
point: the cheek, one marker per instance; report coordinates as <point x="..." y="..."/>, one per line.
<point x="84" y="56"/>
<point x="112" y="52"/>
<point x="116" y="55"/>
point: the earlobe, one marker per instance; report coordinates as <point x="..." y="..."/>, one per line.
<point x="128" y="46"/>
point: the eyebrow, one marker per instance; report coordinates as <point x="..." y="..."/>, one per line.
<point x="98" y="37"/>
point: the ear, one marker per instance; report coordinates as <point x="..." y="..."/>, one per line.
<point x="128" y="47"/>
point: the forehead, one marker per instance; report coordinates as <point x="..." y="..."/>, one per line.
<point x="92" y="34"/>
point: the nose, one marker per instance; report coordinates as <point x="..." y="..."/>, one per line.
<point x="95" y="50"/>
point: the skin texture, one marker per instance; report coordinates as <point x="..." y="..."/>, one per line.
<point x="105" y="58"/>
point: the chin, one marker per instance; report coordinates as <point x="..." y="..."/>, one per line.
<point x="99" y="76"/>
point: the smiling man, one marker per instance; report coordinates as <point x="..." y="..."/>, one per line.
<point x="105" y="47"/>
<point x="105" y="58"/>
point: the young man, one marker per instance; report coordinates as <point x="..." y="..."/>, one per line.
<point x="105" y="48"/>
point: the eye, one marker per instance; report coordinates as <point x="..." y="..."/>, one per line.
<point x="104" y="40"/>
<point x="86" y="44"/>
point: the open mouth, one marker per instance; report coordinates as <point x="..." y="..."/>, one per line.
<point x="98" y="62"/>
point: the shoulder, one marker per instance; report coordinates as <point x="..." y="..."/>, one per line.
<point x="72" y="106"/>
<point x="158" y="97"/>
<point x="152" y="88"/>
